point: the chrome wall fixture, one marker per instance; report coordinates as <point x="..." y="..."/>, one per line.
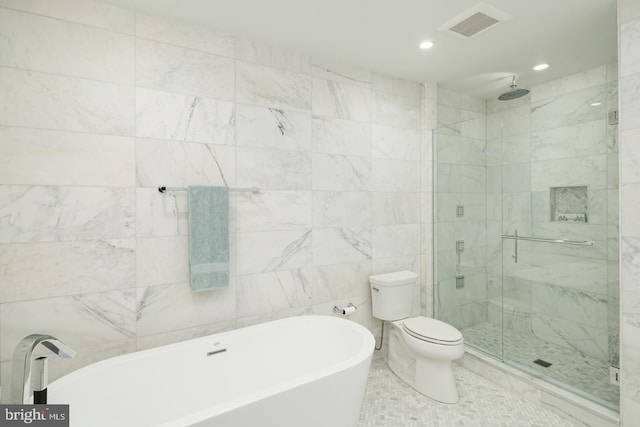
<point x="515" y="237"/>
<point x="254" y="190"/>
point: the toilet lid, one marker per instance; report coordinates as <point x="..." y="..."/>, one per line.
<point x="432" y="330"/>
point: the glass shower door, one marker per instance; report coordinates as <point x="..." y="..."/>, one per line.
<point x="519" y="195"/>
<point x="559" y="215"/>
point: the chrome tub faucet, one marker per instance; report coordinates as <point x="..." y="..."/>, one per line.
<point x="21" y="375"/>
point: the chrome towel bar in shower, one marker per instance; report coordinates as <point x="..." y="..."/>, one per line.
<point x="516" y="237"/>
<point x="560" y="241"/>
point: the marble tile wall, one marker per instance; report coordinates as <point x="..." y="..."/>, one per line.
<point x="629" y="128"/>
<point x="102" y="105"/>
<point x="461" y="181"/>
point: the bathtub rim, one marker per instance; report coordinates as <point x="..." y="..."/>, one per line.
<point x="363" y="355"/>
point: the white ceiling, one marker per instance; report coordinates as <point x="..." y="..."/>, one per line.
<point x="383" y="35"/>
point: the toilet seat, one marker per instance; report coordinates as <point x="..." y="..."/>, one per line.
<point x="432" y="330"/>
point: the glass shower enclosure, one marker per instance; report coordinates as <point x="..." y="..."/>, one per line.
<point x="526" y="235"/>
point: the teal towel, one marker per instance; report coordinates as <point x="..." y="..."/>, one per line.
<point x="208" y="237"/>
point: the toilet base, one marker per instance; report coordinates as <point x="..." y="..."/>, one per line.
<point x="434" y="379"/>
<point x="430" y="377"/>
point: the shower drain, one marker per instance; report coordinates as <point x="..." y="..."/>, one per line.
<point x="542" y="363"/>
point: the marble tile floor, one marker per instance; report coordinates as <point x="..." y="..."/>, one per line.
<point x="586" y="375"/>
<point x="389" y="402"/>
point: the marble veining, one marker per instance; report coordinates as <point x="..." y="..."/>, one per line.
<point x="260" y="252"/>
<point x="341" y="208"/>
<point x="276" y="291"/>
<point x="582" y="139"/>
<point x="267" y="127"/>
<point x="355" y="240"/>
<point x="341" y="100"/>
<point x="188" y="309"/>
<point x="575" y="336"/>
<point x="288" y="251"/>
<point x="65" y="213"/>
<point x="331" y="282"/>
<point x="176" y="117"/>
<point x="569" y="109"/>
<point x="178" y="164"/>
<point x="271" y="87"/>
<point x="341" y="244"/>
<point x="342" y="74"/>
<point x="86" y="319"/>
<point x="113" y="316"/>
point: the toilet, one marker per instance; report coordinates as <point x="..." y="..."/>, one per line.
<point x="420" y="349"/>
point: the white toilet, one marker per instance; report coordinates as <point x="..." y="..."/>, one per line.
<point x="420" y="349"/>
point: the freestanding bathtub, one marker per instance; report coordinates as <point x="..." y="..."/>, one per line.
<point x="301" y="371"/>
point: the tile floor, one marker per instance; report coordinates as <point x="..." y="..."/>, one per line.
<point x="389" y="402"/>
<point x="587" y="376"/>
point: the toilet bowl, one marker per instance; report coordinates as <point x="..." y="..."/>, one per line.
<point x="420" y="349"/>
<point x="423" y="358"/>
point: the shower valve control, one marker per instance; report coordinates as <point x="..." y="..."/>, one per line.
<point x="460" y="211"/>
<point x="459" y="282"/>
<point x="459" y="246"/>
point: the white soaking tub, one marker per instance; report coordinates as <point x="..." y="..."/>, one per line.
<point x="306" y="371"/>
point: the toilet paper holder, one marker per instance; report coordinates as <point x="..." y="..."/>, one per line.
<point x="345" y="311"/>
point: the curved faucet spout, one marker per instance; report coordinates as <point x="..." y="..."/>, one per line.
<point x="21" y="364"/>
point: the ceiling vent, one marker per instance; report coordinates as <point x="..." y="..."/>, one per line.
<point x="474" y="21"/>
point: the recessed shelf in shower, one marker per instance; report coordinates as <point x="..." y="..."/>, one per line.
<point x="569" y="204"/>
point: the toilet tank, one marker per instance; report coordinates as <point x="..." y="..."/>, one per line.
<point x="391" y="295"/>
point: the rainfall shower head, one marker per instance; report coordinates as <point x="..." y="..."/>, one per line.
<point x="514" y="92"/>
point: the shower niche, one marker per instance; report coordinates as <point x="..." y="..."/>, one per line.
<point x="569" y="204"/>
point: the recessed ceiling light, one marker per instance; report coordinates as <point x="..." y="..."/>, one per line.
<point x="427" y="44"/>
<point x="595" y="104"/>
<point x="541" y="67"/>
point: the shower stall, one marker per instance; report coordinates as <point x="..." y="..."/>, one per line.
<point x="526" y="231"/>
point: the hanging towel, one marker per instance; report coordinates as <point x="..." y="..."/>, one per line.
<point x="208" y="237"/>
